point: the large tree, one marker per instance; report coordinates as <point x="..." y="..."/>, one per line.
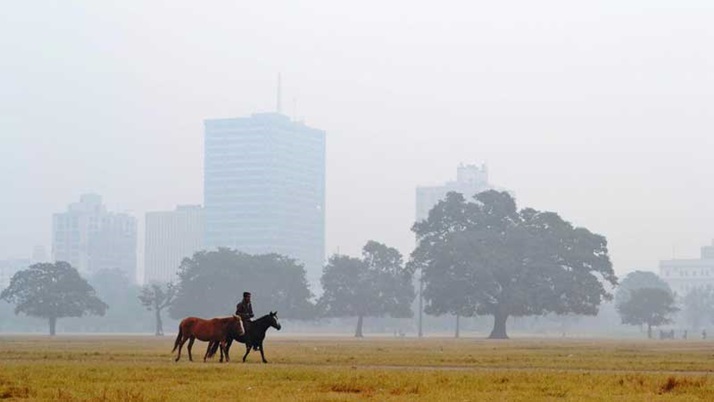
<point x="156" y="298"/>
<point x="486" y="257"/>
<point x="212" y="282"/>
<point x="377" y="284"/>
<point x="650" y="306"/>
<point x="52" y="291"/>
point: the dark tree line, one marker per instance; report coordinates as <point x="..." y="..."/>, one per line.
<point x="211" y="283"/>
<point x="482" y="256"/>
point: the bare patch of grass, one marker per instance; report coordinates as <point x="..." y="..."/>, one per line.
<point x="10" y="391"/>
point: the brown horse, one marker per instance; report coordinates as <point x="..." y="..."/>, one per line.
<point x="217" y="330"/>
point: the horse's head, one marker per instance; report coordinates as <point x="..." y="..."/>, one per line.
<point x="274" y="320"/>
<point x="240" y="328"/>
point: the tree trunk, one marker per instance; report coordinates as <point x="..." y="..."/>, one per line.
<point x="53" y="324"/>
<point x="649" y="331"/>
<point x="159" y="325"/>
<point x="358" y="331"/>
<point x="499" y="326"/>
<point x="421" y="303"/>
<point x="458" y="326"/>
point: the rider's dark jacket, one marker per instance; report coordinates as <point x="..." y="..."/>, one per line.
<point x="244" y="310"/>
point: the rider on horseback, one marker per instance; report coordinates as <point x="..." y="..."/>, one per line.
<point x="244" y="310"/>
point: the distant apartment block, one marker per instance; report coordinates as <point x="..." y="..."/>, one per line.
<point x="683" y="275"/>
<point x="264" y="188"/>
<point x="92" y="239"/>
<point x="9" y="267"/>
<point x="171" y="236"/>
<point x="470" y="179"/>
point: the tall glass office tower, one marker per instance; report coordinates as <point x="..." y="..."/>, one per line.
<point x="264" y="188"/>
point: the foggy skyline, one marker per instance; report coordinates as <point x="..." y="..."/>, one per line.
<point x="600" y="112"/>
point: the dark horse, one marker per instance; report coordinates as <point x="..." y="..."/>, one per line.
<point x="218" y="330"/>
<point x="253" y="338"/>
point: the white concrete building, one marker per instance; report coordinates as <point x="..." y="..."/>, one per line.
<point x="264" y="188"/>
<point x="470" y="180"/>
<point x="171" y="236"/>
<point x="683" y="275"/>
<point x="92" y="239"/>
<point x="9" y="267"/>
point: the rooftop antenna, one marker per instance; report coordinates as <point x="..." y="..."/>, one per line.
<point x="277" y="108"/>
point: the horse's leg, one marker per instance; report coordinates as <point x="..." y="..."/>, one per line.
<point x="224" y="350"/>
<point x="183" y="340"/>
<point x="262" y="355"/>
<point x="190" y="345"/>
<point x="208" y="350"/>
<point x="247" y="350"/>
<point x="228" y="347"/>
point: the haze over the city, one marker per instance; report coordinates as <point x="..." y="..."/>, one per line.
<point x="602" y="112"/>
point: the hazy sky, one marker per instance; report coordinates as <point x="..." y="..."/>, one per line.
<point x="601" y="111"/>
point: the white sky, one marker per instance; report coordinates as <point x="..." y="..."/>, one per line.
<point x="602" y="111"/>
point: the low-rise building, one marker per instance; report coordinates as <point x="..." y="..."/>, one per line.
<point x="683" y="275"/>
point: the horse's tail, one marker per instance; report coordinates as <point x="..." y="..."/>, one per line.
<point x="214" y="348"/>
<point x="178" y="340"/>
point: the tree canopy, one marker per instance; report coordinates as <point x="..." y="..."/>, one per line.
<point x="638" y="280"/>
<point x="486" y="257"/>
<point x="52" y="291"/>
<point x="651" y="306"/>
<point x="212" y="282"/>
<point x="375" y="285"/>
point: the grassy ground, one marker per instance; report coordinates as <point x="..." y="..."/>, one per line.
<point x="105" y="368"/>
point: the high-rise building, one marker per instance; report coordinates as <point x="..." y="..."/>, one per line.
<point x="9" y="267"/>
<point x="264" y="188"/>
<point x="683" y="275"/>
<point x="470" y="180"/>
<point x="171" y="236"/>
<point x="92" y="239"/>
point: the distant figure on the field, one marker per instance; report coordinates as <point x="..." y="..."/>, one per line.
<point x="666" y="334"/>
<point x="244" y="309"/>
<point x="704" y="334"/>
<point x="684" y="334"/>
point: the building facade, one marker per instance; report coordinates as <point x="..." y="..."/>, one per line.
<point x="9" y="267"/>
<point x="683" y="275"/>
<point x="171" y="236"/>
<point x="264" y="188"/>
<point x="470" y="179"/>
<point x="92" y="239"/>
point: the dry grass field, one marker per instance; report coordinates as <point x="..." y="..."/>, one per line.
<point x="133" y="368"/>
